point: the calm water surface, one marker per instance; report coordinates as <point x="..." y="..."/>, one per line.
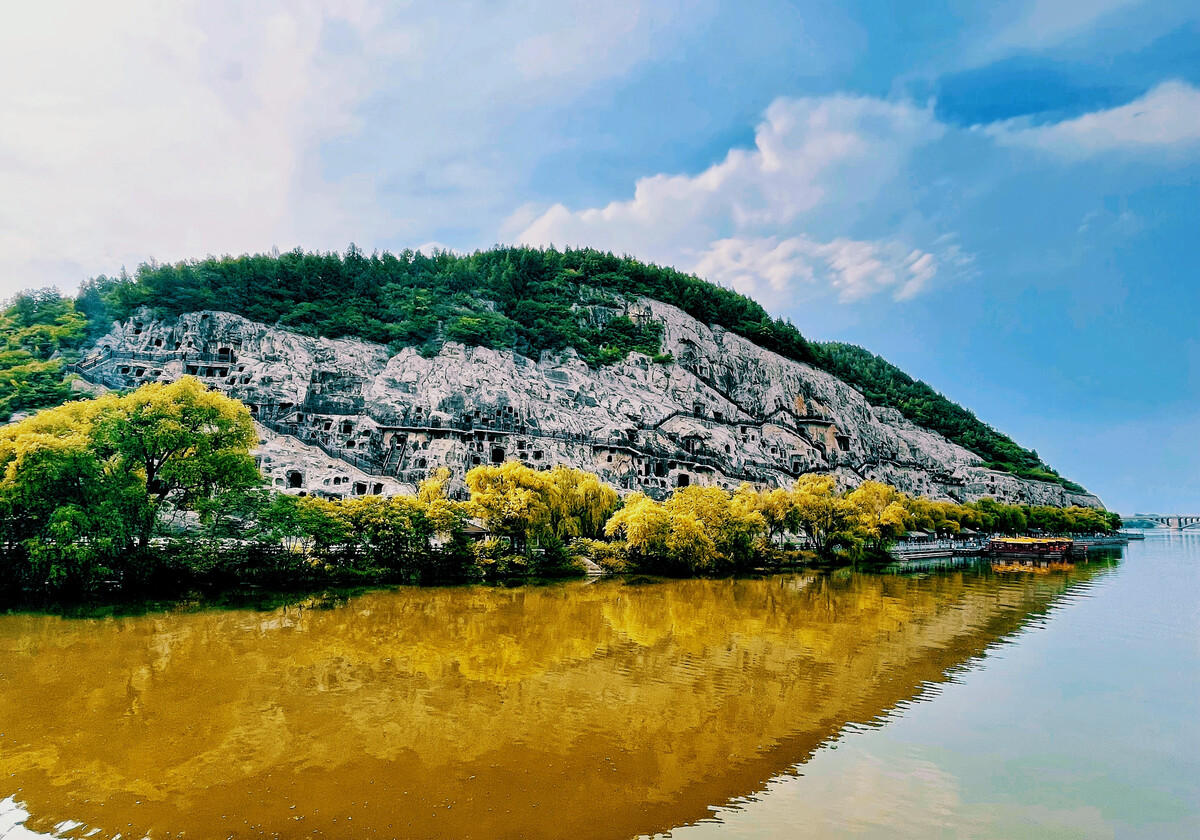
<point x="951" y="704"/>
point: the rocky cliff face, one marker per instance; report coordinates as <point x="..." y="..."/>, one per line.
<point x="345" y="417"/>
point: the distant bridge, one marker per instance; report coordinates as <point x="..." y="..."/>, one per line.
<point x="1173" y="521"/>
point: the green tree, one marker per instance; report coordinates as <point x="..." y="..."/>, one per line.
<point x="83" y="484"/>
<point x="39" y="332"/>
<point x="181" y="440"/>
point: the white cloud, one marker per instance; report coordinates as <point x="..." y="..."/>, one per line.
<point x="1165" y="120"/>
<point x="138" y="128"/>
<point x="773" y="271"/>
<point x="747" y="221"/>
<point x="142" y="129"/>
<point x="474" y="100"/>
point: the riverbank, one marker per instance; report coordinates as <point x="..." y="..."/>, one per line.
<point x="158" y="488"/>
<point x="253" y="576"/>
<point x="214" y="573"/>
<point x="927" y="549"/>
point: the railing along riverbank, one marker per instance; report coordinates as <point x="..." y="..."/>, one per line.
<point x="978" y="546"/>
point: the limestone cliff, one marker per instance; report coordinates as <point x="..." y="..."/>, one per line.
<point x="344" y="417"/>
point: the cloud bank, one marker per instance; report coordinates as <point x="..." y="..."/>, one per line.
<point x="143" y="130"/>
<point x="1163" y="121"/>
<point x="151" y="128"/>
<point x="139" y="129"/>
<point x="746" y="221"/>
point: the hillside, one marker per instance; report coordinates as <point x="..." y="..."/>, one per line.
<point x="345" y="417"/>
<point x="519" y="299"/>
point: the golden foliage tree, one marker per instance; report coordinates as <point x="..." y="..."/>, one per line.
<point x="697" y="529"/>
<point x="827" y="518"/>
<point x="512" y="499"/>
<point x="520" y="503"/>
<point x="84" y="483"/>
<point x="882" y="513"/>
<point x="578" y="502"/>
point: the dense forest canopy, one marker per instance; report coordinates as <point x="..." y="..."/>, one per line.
<point x="39" y="332"/>
<point x="522" y="299"/>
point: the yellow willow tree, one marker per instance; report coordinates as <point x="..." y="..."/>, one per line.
<point x="698" y="529"/>
<point x="578" y="502"/>
<point x="88" y="479"/>
<point x="732" y="521"/>
<point x="828" y="519"/>
<point x="512" y="499"/>
<point x="776" y="506"/>
<point x="445" y="515"/>
<point x="644" y="524"/>
<point x="882" y="512"/>
<point x="519" y="503"/>
<point x="662" y="540"/>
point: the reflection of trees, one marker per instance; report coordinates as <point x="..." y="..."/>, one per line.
<point x="619" y="709"/>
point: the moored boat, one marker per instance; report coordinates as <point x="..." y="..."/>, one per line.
<point x="1033" y="548"/>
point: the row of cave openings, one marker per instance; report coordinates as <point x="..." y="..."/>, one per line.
<point x="294" y="480"/>
<point x="208" y="364"/>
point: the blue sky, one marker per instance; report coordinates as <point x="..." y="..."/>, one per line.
<point x="1004" y="200"/>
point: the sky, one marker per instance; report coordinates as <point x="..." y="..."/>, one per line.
<point x="1002" y="199"/>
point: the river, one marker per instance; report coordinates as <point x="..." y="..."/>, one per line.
<point x="955" y="703"/>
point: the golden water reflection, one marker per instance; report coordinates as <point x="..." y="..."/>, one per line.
<point x="600" y="710"/>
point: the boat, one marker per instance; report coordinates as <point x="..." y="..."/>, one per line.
<point x="1044" y="549"/>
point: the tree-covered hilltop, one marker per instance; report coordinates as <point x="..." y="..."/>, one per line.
<point x="882" y="383"/>
<point x="39" y="332"/>
<point x="524" y="299"/>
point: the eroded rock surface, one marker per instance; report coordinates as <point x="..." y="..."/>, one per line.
<point x="344" y="417"/>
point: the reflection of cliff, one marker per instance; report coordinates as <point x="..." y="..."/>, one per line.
<point x="606" y="710"/>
